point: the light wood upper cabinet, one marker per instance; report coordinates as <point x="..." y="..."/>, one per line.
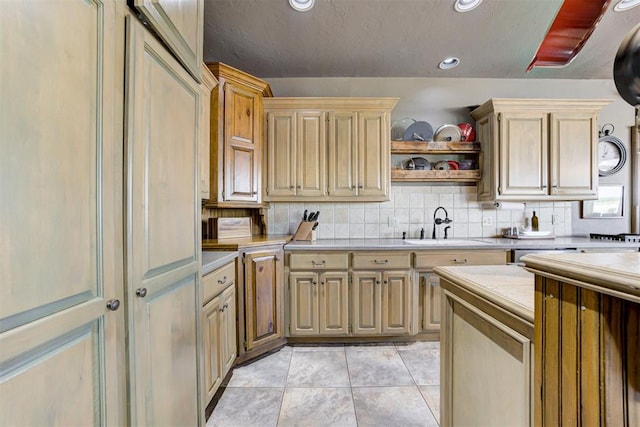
<point x="180" y="25"/>
<point x="236" y="138"/>
<point x="352" y="134"/>
<point x="537" y="149"/>
<point x="62" y="353"/>
<point x="208" y="83"/>
<point x="297" y="160"/>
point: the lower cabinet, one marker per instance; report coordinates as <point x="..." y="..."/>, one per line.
<point x="261" y="322"/>
<point x="219" y="327"/>
<point x="319" y="303"/>
<point x="381" y="302"/>
<point x="429" y="300"/>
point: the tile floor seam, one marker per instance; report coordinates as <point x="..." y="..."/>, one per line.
<point x="286" y="381"/>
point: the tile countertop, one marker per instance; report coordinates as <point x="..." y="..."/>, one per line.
<point x="471" y="243"/>
<point x="510" y="287"/>
<point x="214" y="259"/>
<point x="616" y="274"/>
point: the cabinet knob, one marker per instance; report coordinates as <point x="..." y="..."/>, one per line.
<point x="254" y="193"/>
<point x="377" y="282"/>
<point x="291" y="187"/>
<point x="313" y="282"/>
<point x="384" y="282"/>
<point x="113" y="304"/>
<point x="223" y="280"/>
<point x="141" y="292"/>
<point x="299" y="187"/>
<point x="322" y="283"/>
<point x="360" y="186"/>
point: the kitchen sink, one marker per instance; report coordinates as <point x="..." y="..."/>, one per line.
<point x="443" y="242"/>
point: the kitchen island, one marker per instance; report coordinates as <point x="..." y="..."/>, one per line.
<point x="581" y="313"/>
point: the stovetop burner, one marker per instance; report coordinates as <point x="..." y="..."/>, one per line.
<point x="623" y="237"/>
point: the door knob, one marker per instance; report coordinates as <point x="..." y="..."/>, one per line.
<point x="113" y="304"/>
<point x="141" y="292"/>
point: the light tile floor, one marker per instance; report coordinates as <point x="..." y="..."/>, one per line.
<point x="351" y="385"/>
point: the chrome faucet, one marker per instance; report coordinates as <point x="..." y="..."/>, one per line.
<point x="438" y="220"/>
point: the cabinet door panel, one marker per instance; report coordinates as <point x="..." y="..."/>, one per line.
<point x="311" y="154"/>
<point x="395" y="302"/>
<point x="211" y="343"/>
<point x="304" y="303"/>
<point x="430" y="302"/>
<point x="242" y="144"/>
<point x="263" y="302"/>
<point x="343" y="130"/>
<point x="282" y="152"/>
<point x="180" y="25"/>
<point x="373" y="154"/>
<point x="523" y="154"/>
<point x="163" y="205"/>
<point x="366" y="303"/>
<point x="61" y="351"/>
<point x="334" y="304"/>
<point x="228" y="333"/>
<point x="574" y="168"/>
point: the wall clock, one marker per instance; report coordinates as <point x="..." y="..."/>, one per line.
<point x="611" y="153"/>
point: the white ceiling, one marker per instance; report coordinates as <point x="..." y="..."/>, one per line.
<point x="400" y="38"/>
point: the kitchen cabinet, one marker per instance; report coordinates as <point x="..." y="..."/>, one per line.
<point x="236" y="148"/>
<point x="354" y="140"/>
<point x="62" y="350"/>
<point x="261" y="322"/>
<point x="208" y="83"/>
<point x="382" y="297"/>
<point x="180" y="25"/>
<point x="296" y="144"/>
<point x="318" y="294"/>
<point x="428" y="315"/>
<point x="435" y="151"/>
<point x="219" y="326"/>
<point x="162" y="234"/>
<point x="538" y="149"/>
<point x="486" y="346"/>
<point x="587" y="324"/>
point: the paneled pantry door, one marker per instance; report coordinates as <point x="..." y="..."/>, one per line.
<point x="61" y="317"/>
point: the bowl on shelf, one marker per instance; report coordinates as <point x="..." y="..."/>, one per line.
<point x="467" y="133"/>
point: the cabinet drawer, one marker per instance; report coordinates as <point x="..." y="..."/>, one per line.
<point x="481" y="257"/>
<point x="216" y="281"/>
<point x="319" y="261"/>
<point x="381" y="260"/>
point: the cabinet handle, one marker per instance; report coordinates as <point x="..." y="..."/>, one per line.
<point x="291" y="187"/>
<point x="113" y="304"/>
<point x="384" y="261"/>
<point x="224" y="307"/>
<point x="460" y="261"/>
<point x="299" y="187"/>
<point x="317" y="263"/>
<point x="360" y="186"/>
<point x="223" y="280"/>
<point x="141" y="292"/>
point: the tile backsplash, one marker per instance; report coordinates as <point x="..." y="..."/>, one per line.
<point x="412" y="208"/>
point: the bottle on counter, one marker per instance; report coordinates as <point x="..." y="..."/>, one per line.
<point x="534" y="222"/>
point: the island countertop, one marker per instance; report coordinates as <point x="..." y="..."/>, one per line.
<point x="510" y="287"/>
<point x="616" y="274"/>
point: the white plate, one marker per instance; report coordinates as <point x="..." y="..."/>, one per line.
<point x="536" y="233"/>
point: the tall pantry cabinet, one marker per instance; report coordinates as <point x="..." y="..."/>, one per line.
<point x="99" y="305"/>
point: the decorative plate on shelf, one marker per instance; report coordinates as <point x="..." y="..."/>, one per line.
<point x="449" y="133"/>
<point x="419" y="131"/>
<point x="398" y="128"/>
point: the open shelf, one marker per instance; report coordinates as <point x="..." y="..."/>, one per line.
<point x="404" y="175"/>
<point x="433" y="147"/>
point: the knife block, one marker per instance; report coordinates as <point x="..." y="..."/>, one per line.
<point x="305" y="232"/>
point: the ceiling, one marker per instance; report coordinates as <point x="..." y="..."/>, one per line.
<point x="400" y="38"/>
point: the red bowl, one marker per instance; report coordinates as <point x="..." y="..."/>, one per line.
<point x="468" y="134"/>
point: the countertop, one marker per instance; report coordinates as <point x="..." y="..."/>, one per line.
<point x="616" y="274"/>
<point x="215" y="259"/>
<point x="510" y="287"/>
<point x="471" y="243"/>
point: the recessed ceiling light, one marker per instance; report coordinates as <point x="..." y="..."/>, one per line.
<point x="626" y="5"/>
<point x="466" y="5"/>
<point x="301" y="5"/>
<point x="448" y="63"/>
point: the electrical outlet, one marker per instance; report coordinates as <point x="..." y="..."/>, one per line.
<point x="393" y="221"/>
<point x="487" y="221"/>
